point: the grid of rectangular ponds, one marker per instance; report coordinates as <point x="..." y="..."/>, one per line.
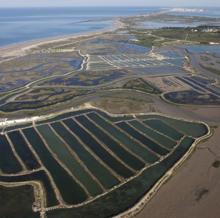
<point x="87" y="153"/>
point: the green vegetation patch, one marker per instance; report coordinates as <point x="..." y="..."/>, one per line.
<point x="141" y="85"/>
<point x="187" y="34"/>
<point x="158" y="37"/>
<point x="42" y="97"/>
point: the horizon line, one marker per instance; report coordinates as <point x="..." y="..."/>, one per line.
<point x="114" y="6"/>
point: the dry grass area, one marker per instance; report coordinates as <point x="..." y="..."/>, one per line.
<point x="168" y="83"/>
<point x="118" y="102"/>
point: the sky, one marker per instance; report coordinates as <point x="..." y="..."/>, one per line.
<point x="58" y="3"/>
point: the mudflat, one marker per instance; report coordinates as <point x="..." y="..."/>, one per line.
<point x="194" y="189"/>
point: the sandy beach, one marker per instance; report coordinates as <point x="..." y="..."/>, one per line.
<point x="20" y="48"/>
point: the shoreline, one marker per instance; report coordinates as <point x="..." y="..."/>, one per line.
<point x="25" y="45"/>
<point x="13" y="49"/>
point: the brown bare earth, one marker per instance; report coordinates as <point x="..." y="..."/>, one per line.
<point x="194" y="191"/>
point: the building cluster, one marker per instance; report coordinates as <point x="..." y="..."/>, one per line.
<point x="207" y="29"/>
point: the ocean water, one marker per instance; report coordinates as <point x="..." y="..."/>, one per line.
<point x="24" y="24"/>
<point x="197" y="12"/>
<point x="213" y="49"/>
<point x="200" y="12"/>
<point x="161" y="24"/>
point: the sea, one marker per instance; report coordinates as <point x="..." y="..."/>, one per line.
<point x="19" y="25"/>
<point x="25" y="24"/>
<point x="213" y="12"/>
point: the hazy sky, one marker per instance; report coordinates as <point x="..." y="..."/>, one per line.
<point x="45" y="3"/>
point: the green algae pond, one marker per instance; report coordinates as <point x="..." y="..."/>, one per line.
<point x="90" y="155"/>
